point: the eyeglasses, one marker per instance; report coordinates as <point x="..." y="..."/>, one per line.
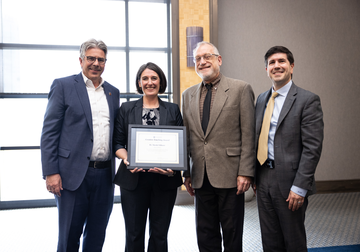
<point x="206" y="57"/>
<point x="92" y="59"/>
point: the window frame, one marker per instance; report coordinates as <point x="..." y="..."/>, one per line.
<point x="171" y="94"/>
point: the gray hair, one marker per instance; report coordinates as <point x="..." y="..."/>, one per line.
<point x="92" y="43"/>
<point x="216" y="51"/>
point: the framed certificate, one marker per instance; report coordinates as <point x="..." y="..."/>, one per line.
<point x="157" y="146"/>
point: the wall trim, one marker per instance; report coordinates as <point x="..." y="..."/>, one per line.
<point x="184" y="198"/>
<point x="175" y="51"/>
<point x="213" y="19"/>
<point x="24" y="204"/>
<point x="338" y="186"/>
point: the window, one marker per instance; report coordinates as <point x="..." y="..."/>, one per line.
<point x="39" y="41"/>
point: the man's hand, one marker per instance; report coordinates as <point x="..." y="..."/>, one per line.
<point x="54" y="184"/>
<point x="187" y="184"/>
<point x="254" y="188"/>
<point x="243" y="184"/>
<point x="295" y="201"/>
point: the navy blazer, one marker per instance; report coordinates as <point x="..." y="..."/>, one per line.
<point x="131" y="113"/>
<point x="298" y="138"/>
<point x="67" y="135"/>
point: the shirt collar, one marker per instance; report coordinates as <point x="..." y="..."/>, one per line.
<point x="284" y="90"/>
<point x="89" y="82"/>
<point x="214" y="82"/>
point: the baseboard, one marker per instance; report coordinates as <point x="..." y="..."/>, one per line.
<point x="333" y="186"/>
<point x="21" y="204"/>
<point x="184" y="198"/>
<point x="338" y="186"/>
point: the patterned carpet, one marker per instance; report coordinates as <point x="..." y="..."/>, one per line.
<point x="332" y="220"/>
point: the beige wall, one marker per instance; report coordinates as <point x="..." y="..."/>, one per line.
<point x="191" y="13"/>
<point x="324" y="36"/>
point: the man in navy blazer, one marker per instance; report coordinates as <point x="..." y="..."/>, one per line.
<point x="285" y="170"/>
<point x="76" y="150"/>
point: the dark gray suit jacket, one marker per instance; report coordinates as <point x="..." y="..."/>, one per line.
<point x="298" y="138"/>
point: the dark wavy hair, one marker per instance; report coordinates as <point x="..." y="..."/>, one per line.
<point x="156" y="69"/>
<point x="279" y="49"/>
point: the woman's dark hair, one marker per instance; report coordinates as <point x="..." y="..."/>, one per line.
<point x="156" y="69"/>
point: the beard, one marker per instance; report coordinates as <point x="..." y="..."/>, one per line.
<point x="209" y="75"/>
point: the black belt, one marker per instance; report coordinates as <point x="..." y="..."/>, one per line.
<point x="269" y="163"/>
<point x="100" y="164"/>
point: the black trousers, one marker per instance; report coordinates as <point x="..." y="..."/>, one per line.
<point x="216" y="209"/>
<point x="282" y="230"/>
<point x="147" y="198"/>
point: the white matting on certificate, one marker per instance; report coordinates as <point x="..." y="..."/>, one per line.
<point x="157" y="146"/>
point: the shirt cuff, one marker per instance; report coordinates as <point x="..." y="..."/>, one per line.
<point x="299" y="191"/>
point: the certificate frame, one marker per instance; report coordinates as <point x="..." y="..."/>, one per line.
<point x="158" y="146"/>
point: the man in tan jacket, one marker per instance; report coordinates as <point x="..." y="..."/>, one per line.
<point x="221" y="149"/>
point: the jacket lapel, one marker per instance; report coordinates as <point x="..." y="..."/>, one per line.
<point x="110" y="102"/>
<point x="80" y="88"/>
<point x="163" y="113"/>
<point x="261" y="106"/>
<point x="219" y="102"/>
<point x="138" y="111"/>
<point x="289" y="101"/>
<point x="194" y="108"/>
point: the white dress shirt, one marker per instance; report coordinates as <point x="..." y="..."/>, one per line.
<point x="100" y="119"/>
<point x="279" y="102"/>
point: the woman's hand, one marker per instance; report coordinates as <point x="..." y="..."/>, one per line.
<point x="167" y="172"/>
<point x="137" y="170"/>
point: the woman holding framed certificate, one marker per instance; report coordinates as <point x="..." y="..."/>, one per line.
<point x="146" y="191"/>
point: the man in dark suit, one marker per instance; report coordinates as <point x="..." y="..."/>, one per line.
<point x="289" y="136"/>
<point x="76" y="150"/>
<point x="219" y="116"/>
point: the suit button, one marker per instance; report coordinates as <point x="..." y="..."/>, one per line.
<point x="203" y="158"/>
<point x="205" y="143"/>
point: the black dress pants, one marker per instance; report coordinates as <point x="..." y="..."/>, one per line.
<point x="147" y="198"/>
<point x="216" y="209"/>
